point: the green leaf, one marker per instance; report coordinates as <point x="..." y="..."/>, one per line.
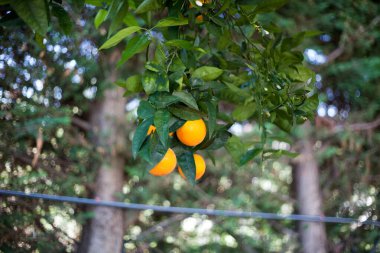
<point x="236" y="148"/>
<point x="133" y="84"/>
<point x="100" y="18"/>
<point x="119" y="36"/>
<point x="172" y="22"/>
<point x="266" y="6"/>
<point x="186" y="161"/>
<point x="219" y="140"/>
<point x="145" y="110"/>
<point x="176" y="125"/>
<point x="212" y="108"/>
<point x="146" y="151"/>
<point x="177" y="77"/>
<point x="207" y="73"/>
<point x="140" y="135"/>
<point x="180" y="44"/>
<point x="148" y="5"/>
<point x="34" y="13"/>
<point x="117" y="20"/>
<point x="283" y="120"/>
<point x="252" y="153"/>
<point x="186" y="98"/>
<point x="161" y="122"/>
<point x="243" y="112"/>
<point x="185" y="113"/>
<point x="162" y="99"/>
<point x="162" y="82"/>
<point x="276" y="153"/>
<point x="63" y="17"/>
<point x="149" y="82"/>
<point x="242" y="93"/>
<point x="135" y="45"/>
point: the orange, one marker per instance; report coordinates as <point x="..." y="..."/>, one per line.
<point x="152" y="129"/>
<point x="200" y="167"/>
<point x="166" y="165"/>
<point x="199" y="19"/>
<point x="192" y="132"/>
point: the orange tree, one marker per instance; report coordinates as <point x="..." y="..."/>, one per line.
<point x="199" y="55"/>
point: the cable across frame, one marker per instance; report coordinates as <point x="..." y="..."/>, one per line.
<point x="188" y="210"/>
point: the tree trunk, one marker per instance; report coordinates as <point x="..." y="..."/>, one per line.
<point x="312" y="234"/>
<point x="104" y="232"/>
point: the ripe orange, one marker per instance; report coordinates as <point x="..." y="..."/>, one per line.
<point x="199" y="19"/>
<point x="192" y="132"/>
<point x="152" y="129"/>
<point x="200" y="167"/>
<point x="166" y="165"/>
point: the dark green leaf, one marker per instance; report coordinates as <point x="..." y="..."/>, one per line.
<point x="135" y="45"/>
<point x="162" y="82"/>
<point x="161" y="122"/>
<point x="186" y="98"/>
<point x="252" y="153"/>
<point x="119" y="36"/>
<point x="63" y="17"/>
<point x="283" y="120"/>
<point x="186" y="161"/>
<point x="145" y="110"/>
<point x="185" y="113"/>
<point x="180" y="44"/>
<point x="212" y="108"/>
<point x="140" y="135"/>
<point x="176" y="125"/>
<point x="162" y="99"/>
<point x="34" y="13"/>
<point x="117" y="20"/>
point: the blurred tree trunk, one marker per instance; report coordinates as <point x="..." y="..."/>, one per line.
<point x="309" y="199"/>
<point x="104" y="233"/>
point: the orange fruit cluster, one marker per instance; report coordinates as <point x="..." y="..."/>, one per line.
<point x="192" y="133"/>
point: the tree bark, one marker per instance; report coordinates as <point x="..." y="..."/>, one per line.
<point x="104" y="232"/>
<point x="312" y="234"/>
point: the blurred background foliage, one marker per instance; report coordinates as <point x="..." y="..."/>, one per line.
<point x="47" y="92"/>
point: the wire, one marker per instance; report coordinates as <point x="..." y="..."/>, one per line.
<point x="187" y="210"/>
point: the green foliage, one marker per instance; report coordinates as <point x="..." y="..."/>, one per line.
<point x="33" y="13"/>
<point x="185" y="68"/>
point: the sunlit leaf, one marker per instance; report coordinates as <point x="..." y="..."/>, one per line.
<point x="172" y="22"/>
<point x="119" y="36"/>
<point x="207" y="73"/>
